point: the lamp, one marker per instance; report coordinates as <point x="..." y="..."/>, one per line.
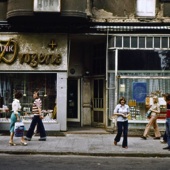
<point x="24" y="88"/>
<point x="45" y="93"/>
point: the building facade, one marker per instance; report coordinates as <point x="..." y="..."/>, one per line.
<point x="82" y="56"/>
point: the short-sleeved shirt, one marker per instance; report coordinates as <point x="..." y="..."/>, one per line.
<point x="16" y="106"/>
<point x="36" y="105"/>
<point x="121" y="109"/>
<point x="155" y="106"/>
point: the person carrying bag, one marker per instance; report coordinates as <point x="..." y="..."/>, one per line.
<point x="15" y="118"/>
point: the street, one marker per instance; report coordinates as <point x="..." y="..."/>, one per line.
<point x="44" y="162"/>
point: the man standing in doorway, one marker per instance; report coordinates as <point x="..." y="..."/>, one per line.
<point x="37" y="119"/>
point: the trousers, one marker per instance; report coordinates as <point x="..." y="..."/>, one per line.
<point x="36" y="119"/>
<point x="168" y="130"/>
<point x="152" y="122"/>
<point x="122" y="127"/>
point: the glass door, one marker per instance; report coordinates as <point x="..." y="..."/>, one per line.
<point x="73" y="100"/>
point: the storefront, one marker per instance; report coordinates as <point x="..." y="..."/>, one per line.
<point x="29" y="62"/>
<point x="138" y="68"/>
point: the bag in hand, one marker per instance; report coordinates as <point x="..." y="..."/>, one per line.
<point x="148" y="113"/>
<point x="19" y="129"/>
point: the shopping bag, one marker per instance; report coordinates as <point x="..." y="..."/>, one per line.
<point x="19" y="129"/>
<point x="148" y="113"/>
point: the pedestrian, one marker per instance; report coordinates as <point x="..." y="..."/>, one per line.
<point x="37" y="119"/>
<point x="168" y="122"/>
<point x="122" y="112"/>
<point x="155" y="110"/>
<point x="15" y="116"/>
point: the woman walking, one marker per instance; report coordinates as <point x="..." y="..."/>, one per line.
<point x="155" y="109"/>
<point x="15" y="116"/>
<point x="37" y="119"/>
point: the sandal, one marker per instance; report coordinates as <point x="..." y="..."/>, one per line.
<point x="23" y="143"/>
<point x="12" y="143"/>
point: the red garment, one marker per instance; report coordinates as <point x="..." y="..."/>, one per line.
<point x="168" y="110"/>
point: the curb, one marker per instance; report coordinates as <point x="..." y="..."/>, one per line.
<point x="87" y="154"/>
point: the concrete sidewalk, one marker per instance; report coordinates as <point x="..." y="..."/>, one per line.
<point x="86" y="144"/>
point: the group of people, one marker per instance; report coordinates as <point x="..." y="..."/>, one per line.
<point x="122" y="111"/>
<point x="36" y="120"/>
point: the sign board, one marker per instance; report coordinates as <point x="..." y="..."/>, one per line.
<point x="47" y="5"/>
<point x="139" y="91"/>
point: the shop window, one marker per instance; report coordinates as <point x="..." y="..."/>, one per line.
<point x="27" y="83"/>
<point x="145" y="8"/>
<point x="126" y="41"/>
<point x="164" y="42"/>
<point x="149" y="42"/>
<point x="157" y="42"/>
<point x="134" y="42"/>
<point x="118" y="41"/>
<point x="141" y="42"/>
<point x="142" y="60"/>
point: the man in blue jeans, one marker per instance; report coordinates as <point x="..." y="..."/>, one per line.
<point x="37" y="119"/>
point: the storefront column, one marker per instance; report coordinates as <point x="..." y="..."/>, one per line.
<point x="62" y="100"/>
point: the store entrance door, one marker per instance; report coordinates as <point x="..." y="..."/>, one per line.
<point x="98" y="102"/>
<point x="73" y="101"/>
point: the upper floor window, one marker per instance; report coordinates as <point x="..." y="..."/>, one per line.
<point x="145" y="8"/>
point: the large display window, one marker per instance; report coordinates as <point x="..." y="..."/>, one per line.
<point x="138" y="75"/>
<point x="45" y="83"/>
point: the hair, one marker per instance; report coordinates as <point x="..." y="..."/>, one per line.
<point x="122" y="98"/>
<point x="18" y="95"/>
<point x="168" y="97"/>
<point x="37" y="92"/>
<point x="156" y="98"/>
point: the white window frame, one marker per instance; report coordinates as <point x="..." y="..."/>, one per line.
<point x="145" y="8"/>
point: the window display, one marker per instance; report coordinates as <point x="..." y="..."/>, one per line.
<point x="27" y="83"/>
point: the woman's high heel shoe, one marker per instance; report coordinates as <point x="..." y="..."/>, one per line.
<point x="12" y="143"/>
<point x="23" y="143"/>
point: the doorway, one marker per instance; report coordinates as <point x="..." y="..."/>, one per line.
<point x="98" y="103"/>
<point x="73" y="102"/>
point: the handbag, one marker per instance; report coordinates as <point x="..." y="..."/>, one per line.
<point x="148" y="113"/>
<point x="19" y="129"/>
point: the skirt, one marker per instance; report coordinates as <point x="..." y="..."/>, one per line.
<point x="13" y="120"/>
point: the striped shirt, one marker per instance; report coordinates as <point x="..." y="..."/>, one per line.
<point x="36" y="105"/>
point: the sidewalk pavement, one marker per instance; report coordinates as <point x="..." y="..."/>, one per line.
<point x="86" y="144"/>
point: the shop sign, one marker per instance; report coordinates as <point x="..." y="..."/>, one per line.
<point x="9" y="54"/>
